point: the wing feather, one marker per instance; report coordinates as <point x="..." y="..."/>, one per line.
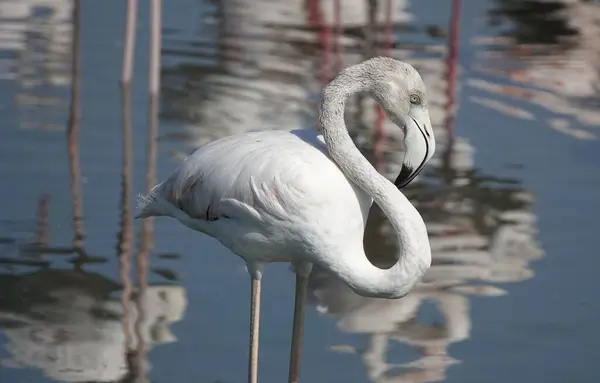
<point x="270" y="172"/>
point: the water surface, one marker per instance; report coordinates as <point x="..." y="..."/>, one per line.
<point x="87" y="294"/>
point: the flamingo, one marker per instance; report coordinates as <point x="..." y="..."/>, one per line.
<point x="302" y="197"/>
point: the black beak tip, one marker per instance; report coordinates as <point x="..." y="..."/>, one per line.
<point x="404" y="177"/>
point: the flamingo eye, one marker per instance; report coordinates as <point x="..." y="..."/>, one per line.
<point x="415" y="99"/>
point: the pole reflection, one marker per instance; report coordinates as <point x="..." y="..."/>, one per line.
<point x="73" y="131"/>
<point x="76" y="324"/>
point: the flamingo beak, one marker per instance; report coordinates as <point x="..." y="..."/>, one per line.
<point x="419" y="145"/>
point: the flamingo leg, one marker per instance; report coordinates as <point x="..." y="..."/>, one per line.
<point x="254" y="326"/>
<point x="302" y="273"/>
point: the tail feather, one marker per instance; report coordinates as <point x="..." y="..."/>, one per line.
<point x="152" y="205"/>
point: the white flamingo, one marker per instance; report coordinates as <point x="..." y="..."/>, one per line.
<point x="301" y="197"/>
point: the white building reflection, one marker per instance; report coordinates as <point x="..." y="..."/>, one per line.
<point x="70" y="324"/>
<point x="36" y="39"/>
<point x="75" y="325"/>
<point x="548" y="58"/>
<point x="266" y="71"/>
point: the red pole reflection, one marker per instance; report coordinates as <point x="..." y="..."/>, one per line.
<point x="379" y="135"/>
<point x="451" y="65"/>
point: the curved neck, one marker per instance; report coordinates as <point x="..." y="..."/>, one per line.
<point x="413" y="243"/>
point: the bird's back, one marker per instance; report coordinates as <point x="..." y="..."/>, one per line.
<point x="284" y="179"/>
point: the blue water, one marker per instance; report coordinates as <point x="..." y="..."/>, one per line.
<point x="512" y="297"/>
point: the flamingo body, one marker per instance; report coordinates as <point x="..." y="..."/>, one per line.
<point x="269" y="196"/>
<point x="300" y="197"/>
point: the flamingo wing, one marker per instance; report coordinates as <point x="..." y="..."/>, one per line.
<point x="273" y="173"/>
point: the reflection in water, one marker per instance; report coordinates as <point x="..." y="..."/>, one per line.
<point x="476" y="236"/>
<point x="550" y="58"/>
<point x="71" y="323"/>
<point x="35" y="39"/>
<point x="73" y="130"/>
<point x="258" y="81"/>
<point x="481" y="227"/>
<point x="67" y="324"/>
<point x="139" y="365"/>
<point x="481" y="230"/>
<point x="263" y="70"/>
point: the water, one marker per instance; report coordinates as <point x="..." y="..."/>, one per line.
<point x="509" y="198"/>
